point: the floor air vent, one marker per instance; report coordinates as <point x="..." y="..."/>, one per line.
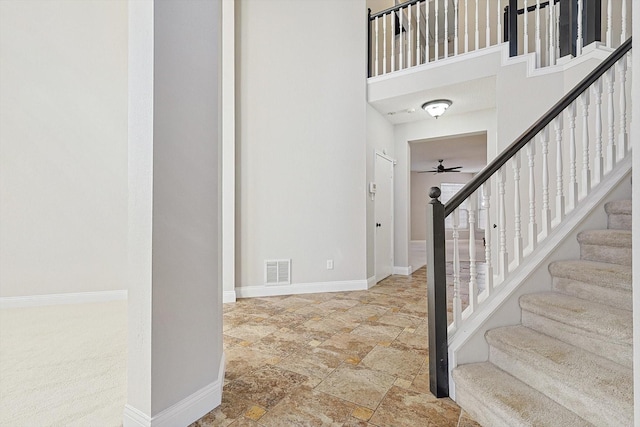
<point x="277" y="272"/>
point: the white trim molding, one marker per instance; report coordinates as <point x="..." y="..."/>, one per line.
<point x="301" y="288"/>
<point x="371" y="282"/>
<point x="58" y="299"/>
<point x="183" y="413"/>
<point x="228" y="296"/>
<point x="403" y="271"/>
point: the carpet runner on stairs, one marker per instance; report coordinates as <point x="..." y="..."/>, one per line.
<point x="570" y="361"/>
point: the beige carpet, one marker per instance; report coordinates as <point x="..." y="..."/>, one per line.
<point x="63" y="365"/>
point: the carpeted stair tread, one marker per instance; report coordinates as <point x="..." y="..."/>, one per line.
<point x="598" y="328"/>
<point x="480" y="386"/>
<point x="596" y="273"/>
<point x="613" y="238"/>
<point x="612" y="324"/>
<point x="587" y="384"/>
<point x="612" y="246"/>
<point x="601" y="282"/>
<point x="618" y="207"/>
<point x="619" y="215"/>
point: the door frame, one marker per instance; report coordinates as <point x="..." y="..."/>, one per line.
<point x="393" y="162"/>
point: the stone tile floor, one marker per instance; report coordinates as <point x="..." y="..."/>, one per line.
<point x="333" y="359"/>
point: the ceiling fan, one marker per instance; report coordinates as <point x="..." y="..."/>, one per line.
<point x="441" y="169"/>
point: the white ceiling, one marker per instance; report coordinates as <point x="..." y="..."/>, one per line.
<point x="468" y="151"/>
<point x="468" y="96"/>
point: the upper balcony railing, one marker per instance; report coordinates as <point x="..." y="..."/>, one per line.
<point x="420" y="32"/>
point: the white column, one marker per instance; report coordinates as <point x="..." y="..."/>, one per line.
<point x="174" y="209"/>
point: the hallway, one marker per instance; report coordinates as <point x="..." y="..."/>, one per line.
<point x="339" y="359"/>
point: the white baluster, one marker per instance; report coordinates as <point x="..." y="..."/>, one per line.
<point x="418" y="40"/>
<point x="384" y="44"/>
<point x="623" y="34"/>
<point x="547" y="43"/>
<point x="573" y="179"/>
<point x="486" y="196"/>
<point x="557" y="30"/>
<point x="611" y="146"/>
<point x="623" y="143"/>
<point x="609" y="26"/>
<point x="466" y="26"/>
<point x="533" y="227"/>
<point x="552" y="34"/>
<point x="517" y="239"/>
<point x="436" y="47"/>
<point x="538" y="42"/>
<point x="499" y="21"/>
<point x="586" y="170"/>
<point x="455" y="28"/>
<point x="375" y="66"/>
<point x="401" y="48"/>
<point x="598" y="168"/>
<point x="477" y="28"/>
<point x="579" y="40"/>
<point x="558" y="127"/>
<point x="473" y="273"/>
<point x="409" y="38"/>
<point x="526" y="28"/>
<point x="457" y="303"/>
<point x="502" y="224"/>
<point x="487" y="30"/>
<point x="426" y="32"/>
<point x="546" y="209"/>
<point x="393" y="43"/>
<point x="446" y="29"/>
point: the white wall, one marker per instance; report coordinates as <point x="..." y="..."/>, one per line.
<point x="379" y="138"/>
<point x="63" y="146"/>
<point x="420" y="185"/>
<point x="301" y="122"/>
<point x="175" y="288"/>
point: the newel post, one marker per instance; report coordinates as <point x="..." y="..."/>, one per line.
<point x="437" y="297"/>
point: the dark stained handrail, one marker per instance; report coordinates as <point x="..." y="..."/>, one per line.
<point x="534" y="129"/>
<point x="393" y="9"/>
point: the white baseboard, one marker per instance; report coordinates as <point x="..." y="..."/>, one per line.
<point x="301" y="288"/>
<point x="57" y="299"/>
<point x="183" y="413"/>
<point x="371" y="282"/>
<point x="403" y="271"/>
<point x="228" y="296"/>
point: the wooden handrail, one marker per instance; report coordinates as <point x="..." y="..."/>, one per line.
<point x="534" y="129"/>
<point x="393" y="9"/>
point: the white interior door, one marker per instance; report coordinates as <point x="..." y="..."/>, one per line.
<point x="384" y="216"/>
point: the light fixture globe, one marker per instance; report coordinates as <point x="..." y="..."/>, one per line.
<point x="437" y="107"/>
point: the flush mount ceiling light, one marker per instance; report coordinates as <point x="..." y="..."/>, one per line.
<point x="437" y="107"/>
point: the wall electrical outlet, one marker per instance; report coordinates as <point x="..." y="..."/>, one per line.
<point x="329" y="264"/>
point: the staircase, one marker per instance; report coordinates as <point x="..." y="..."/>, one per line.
<point x="570" y="361"/>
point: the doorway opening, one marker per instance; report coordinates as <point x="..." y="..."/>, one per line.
<point x="464" y="154"/>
